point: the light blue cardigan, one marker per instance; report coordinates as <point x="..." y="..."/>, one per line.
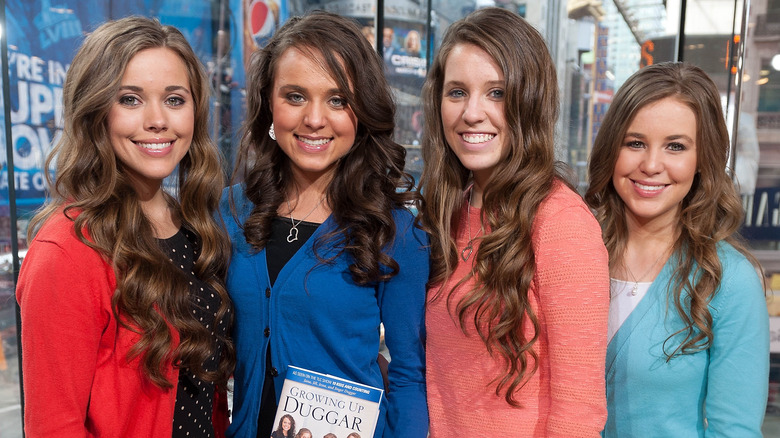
<point x="726" y="384"/>
<point x="320" y="320"/>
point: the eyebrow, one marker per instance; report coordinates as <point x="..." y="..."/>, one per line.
<point x="667" y="138"/>
<point x="293" y="87"/>
<point x="168" y="89"/>
<point x="462" y="84"/>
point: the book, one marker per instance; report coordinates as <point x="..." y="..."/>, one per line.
<point x="326" y="406"/>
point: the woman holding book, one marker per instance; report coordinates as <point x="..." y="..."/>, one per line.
<point x="516" y="255"/>
<point x="688" y="353"/>
<point x="124" y="313"/>
<point x="324" y="248"/>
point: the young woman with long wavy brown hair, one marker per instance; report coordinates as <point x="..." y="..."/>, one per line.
<point x="124" y="313"/>
<point x="689" y="351"/>
<point x="518" y="295"/>
<point x="324" y="248"/>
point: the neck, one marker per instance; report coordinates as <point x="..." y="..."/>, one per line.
<point x="646" y="251"/>
<point x="304" y="183"/>
<point x="475" y="196"/>
<point x="307" y="199"/>
<point x="160" y="214"/>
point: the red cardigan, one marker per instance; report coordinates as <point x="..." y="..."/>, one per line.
<point x="77" y="380"/>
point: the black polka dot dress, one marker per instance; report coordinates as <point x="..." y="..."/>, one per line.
<point x="195" y="397"/>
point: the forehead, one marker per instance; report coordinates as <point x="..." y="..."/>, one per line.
<point x="159" y="64"/>
<point x="467" y="60"/>
<point x="305" y="66"/>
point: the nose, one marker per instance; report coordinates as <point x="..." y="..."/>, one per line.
<point x="473" y="113"/>
<point x="154" y="118"/>
<point x="652" y="161"/>
<point x="315" y="116"/>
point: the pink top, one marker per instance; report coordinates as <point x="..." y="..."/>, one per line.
<point x="570" y="296"/>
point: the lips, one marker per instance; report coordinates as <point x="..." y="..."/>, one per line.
<point x="314" y="144"/>
<point x="649" y="189"/>
<point x="154" y="146"/>
<point x="476" y="138"/>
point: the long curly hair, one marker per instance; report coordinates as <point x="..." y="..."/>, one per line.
<point x="711" y="211"/>
<point x="504" y="265"/>
<point x="92" y="188"/>
<point x="369" y="181"/>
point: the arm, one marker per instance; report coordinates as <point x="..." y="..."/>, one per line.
<point x="402" y="304"/>
<point x="738" y="372"/>
<point x="59" y="293"/>
<point x="572" y="277"/>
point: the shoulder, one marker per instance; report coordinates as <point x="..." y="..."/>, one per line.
<point x="740" y="284"/>
<point x="234" y="207"/>
<point x="408" y="234"/>
<point x="60" y="230"/>
<point x="564" y="211"/>
<point x="732" y="260"/>
<point x="57" y="258"/>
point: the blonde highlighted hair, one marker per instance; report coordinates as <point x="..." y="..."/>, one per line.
<point x="92" y="188"/>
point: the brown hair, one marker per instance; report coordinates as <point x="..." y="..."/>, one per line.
<point x="365" y="186"/>
<point x="92" y="188"/>
<point x="711" y="211"/>
<point x="504" y="265"/>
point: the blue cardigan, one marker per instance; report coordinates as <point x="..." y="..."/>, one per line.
<point x="721" y="391"/>
<point x="321" y="320"/>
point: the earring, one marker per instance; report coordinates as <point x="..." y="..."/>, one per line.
<point x="271" y="132"/>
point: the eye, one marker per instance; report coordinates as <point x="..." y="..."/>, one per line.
<point x="676" y="147"/>
<point x="129" y="100"/>
<point x="338" y="101"/>
<point x="635" y="144"/>
<point x="496" y="94"/>
<point x="174" y="101"/>
<point x="295" y="98"/>
<point x="456" y="93"/>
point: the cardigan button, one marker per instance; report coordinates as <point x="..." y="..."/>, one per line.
<point x="268" y="292"/>
<point x="273" y="372"/>
<point x="267" y="332"/>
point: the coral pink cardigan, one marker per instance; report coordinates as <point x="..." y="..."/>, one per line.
<point x="570" y="296"/>
<point x="77" y="381"/>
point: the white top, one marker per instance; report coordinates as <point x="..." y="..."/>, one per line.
<point x="623" y="301"/>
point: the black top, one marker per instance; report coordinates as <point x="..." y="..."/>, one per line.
<point x="195" y="397"/>
<point x="278" y="251"/>
<point x="281" y="246"/>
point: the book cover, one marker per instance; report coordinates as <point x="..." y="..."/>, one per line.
<point x="316" y="405"/>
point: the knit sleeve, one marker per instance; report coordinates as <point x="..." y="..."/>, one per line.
<point x="63" y="295"/>
<point x="572" y="277"/>
<point x="738" y="369"/>
<point x="402" y="302"/>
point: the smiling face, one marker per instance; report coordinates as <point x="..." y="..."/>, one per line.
<point x="472" y="110"/>
<point x="286" y="424"/>
<point x="151" y="121"/>
<point x="314" y="124"/>
<point x="656" y="164"/>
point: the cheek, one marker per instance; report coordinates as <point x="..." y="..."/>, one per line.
<point x="448" y="115"/>
<point x="623" y="165"/>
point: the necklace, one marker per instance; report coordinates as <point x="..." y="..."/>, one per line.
<point x="636" y="281"/>
<point x="466" y="253"/>
<point x="293" y="236"/>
